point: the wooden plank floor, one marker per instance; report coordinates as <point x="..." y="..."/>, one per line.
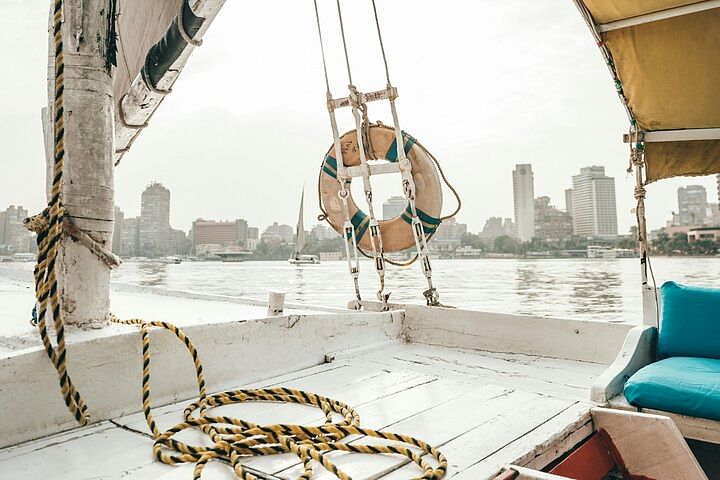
<point x="484" y="410"/>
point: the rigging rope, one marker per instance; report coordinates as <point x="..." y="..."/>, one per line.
<point x="358" y="102"/>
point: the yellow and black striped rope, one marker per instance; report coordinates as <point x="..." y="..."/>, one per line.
<point x="48" y="239"/>
<point x="235" y="439"/>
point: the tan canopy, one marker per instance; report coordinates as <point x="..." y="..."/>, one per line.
<point x="665" y="55"/>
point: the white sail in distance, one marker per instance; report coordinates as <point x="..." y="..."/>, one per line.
<point x="300" y="236"/>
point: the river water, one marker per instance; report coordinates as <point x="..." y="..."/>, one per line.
<point x="598" y="289"/>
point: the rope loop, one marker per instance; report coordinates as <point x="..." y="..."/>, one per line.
<point x="234" y="439"/>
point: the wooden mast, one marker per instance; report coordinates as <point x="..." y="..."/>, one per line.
<point x="88" y="190"/>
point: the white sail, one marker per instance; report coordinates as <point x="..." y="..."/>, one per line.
<point x="300" y="236"/>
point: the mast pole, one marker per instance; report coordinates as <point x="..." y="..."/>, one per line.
<point x="88" y="183"/>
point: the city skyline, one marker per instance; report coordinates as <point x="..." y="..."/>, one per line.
<point x="552" y="101"/>
<point x="590" y="211"/>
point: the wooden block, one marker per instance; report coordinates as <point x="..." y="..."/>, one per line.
<point x="647" y="446"/>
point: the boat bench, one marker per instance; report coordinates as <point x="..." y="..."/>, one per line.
<point x="674" y="369"/>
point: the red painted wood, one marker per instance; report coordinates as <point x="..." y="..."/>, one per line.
<point x="591" y="461"/>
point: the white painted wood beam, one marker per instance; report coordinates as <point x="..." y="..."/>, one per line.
<point x="661" y="15"/>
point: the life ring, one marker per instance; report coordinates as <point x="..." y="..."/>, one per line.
<point x="397" y="234"/>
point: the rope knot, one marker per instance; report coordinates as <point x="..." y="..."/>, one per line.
<point x="640" y="192"/>
<point x="38" y="223"/>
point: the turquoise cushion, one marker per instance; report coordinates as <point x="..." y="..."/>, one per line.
<point x="685" y="385"/>
<point x="689" y="322"/>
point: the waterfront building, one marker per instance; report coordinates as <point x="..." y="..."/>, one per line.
<point x="393" y="207"/>
<point x="448" y="236"/>
<point x="551" y="224"/>
<point x="253" y="233"/>
<point x="713" y="214"/>
<point x="223" y="233"/>
<point x="252" y="244"/>
<point x="594" y="210"/>
<point x="117" y="231"/>
<point x="155" y="221"/>
<point x="323" y="232"/>
<point x="130" y="238"/>
<point x="278" y="233"/>
<point x="568" y="201"/>
<point x="692" y="205"/>
<point x="703" y="233"/>
<point x="180" y="244"/>
<point x="497" y="227"/>
<point x="14" y="237"/>
<point x="331" y="256"/>
<point x="524" y="201"/>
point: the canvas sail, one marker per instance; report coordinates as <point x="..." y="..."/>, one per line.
<point x="300" y="236"/>
<point x="666" y="58"/>
<point x="154" y="41"/>
<point x="140" y="25"/>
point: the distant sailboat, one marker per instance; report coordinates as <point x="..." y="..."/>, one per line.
<point x="297" y="258"/>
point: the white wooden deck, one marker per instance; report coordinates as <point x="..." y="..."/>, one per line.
<point x="483" y="409"/>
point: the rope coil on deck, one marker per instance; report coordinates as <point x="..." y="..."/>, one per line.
<point x="235" y="439"/>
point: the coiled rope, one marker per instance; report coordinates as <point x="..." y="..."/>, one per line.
<point x="233" y="439"/>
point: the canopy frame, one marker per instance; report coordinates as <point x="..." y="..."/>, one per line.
<point x="686" y="135"/>
<point x="659" y="15"/>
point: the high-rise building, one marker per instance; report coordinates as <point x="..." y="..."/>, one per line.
<point x="118" y="225"/>
<point x="551" y="224"/>
<point x="448" y="235"/>
<point x="524" y="201"/>
<point x="713" y="215"/>
<point x="568" y="201"/>
<point x="692" y="205"/>
<point x="224" y="233"/>
<point x="130" y="238"/>
<point x="276" y="233"/>
<point x="155" y="221"/>
<point x="323" y="232"/>
<point x="497" y="227"/>
<point x="594" y="211"/>
<point x="253" y="233"/>
<point x="14" y="237"/>
<point x="180" y="244"/>
<point x="393" y="207"/>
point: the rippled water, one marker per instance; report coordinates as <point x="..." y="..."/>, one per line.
<point x="565" y="288"/>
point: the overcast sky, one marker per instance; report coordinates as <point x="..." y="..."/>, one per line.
<point x="483" y="84"/>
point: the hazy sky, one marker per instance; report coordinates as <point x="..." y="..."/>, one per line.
<point x="483" y="84"/>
